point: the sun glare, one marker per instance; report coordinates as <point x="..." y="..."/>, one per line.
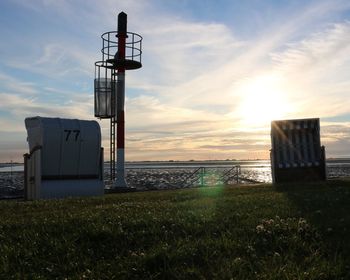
<point x="263" y="100"/>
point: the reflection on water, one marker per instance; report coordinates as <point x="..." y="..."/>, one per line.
<point x="260" y="174"/>
<point x="14" y="168"/>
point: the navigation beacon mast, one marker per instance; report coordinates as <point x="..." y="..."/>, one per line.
<point x="121" y="50"/>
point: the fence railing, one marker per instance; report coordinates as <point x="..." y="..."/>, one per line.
<point x="170" y="177"/>
<point x="181" y="177"/>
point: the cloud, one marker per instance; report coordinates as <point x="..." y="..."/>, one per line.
<point x="335" y="137"/>
<point x="173" y="131"/>
<point x="58" y="60"/>
<point x="316" y="69"/>
<point x="16" y="85"/>
<point x="21" y="107"/>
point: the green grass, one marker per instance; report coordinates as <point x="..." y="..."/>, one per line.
<point x="248" y="232"/>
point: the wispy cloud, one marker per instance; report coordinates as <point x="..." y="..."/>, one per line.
<point x="20" y="107"/>
<point x="316" y="69"/>
<point x="16" y="85"/>
<point x="336" y="138"/>
<point x="58" y="60"/>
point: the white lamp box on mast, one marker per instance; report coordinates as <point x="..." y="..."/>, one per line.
<point x="65" y="159"/>
<point x="105" y="93"/>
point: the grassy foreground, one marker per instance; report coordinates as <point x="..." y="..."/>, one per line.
<point x="248" y="232"/>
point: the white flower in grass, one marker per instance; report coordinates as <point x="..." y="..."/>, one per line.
<point x="260" y="228"/>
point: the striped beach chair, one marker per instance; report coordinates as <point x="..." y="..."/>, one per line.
<point x="297" y="154"/>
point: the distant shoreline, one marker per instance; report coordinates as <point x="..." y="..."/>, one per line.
<point x="223" y="161"/>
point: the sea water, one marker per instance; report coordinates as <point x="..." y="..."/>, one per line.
<point x="256" y="170"/>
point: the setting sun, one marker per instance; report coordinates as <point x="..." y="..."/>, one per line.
<point x="263" y="99"/>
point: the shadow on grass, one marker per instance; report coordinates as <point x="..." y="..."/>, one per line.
<point x="326" y="207"/>
<point x="289" y="231"/>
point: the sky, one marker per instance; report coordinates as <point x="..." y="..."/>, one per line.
<point x="214" y="75"/>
